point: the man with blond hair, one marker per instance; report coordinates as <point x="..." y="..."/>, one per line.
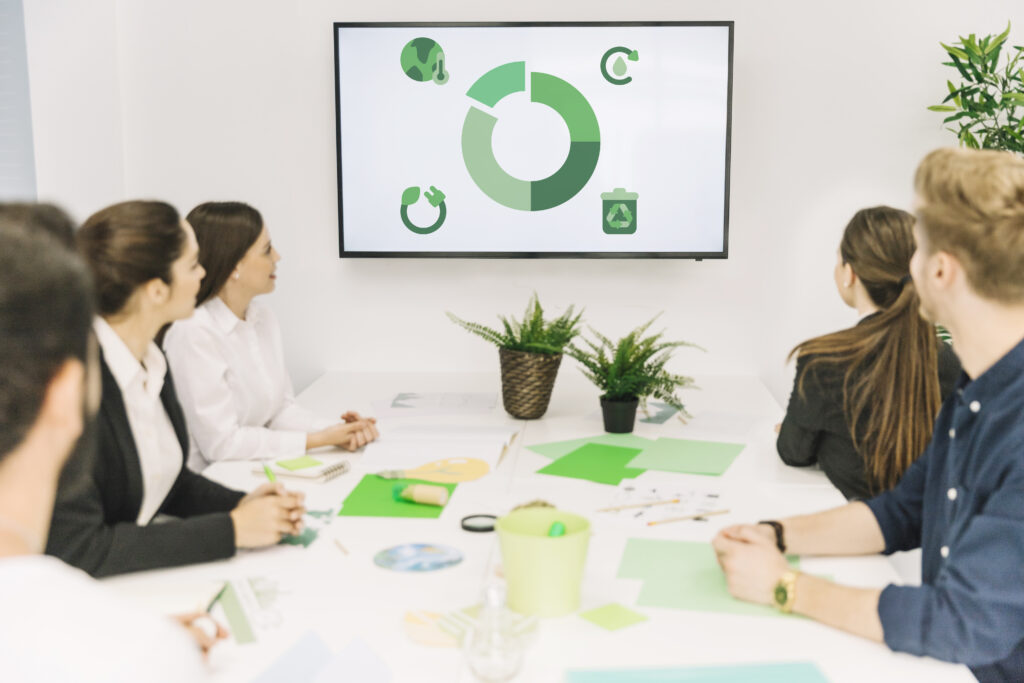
<point x="962" y="501"/>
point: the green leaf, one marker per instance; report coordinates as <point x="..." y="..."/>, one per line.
<point x="955" y="52"/>
<point x="941" y="107"/>
<point x="999" y="40"/>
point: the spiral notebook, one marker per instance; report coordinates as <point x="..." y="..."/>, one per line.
<point x="320" y="471"/>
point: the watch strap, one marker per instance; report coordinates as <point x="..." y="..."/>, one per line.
<point x="780" y="541"/>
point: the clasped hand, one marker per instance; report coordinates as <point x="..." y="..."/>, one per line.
<point x="267" y="514"/>
<point x="751" y="561"/>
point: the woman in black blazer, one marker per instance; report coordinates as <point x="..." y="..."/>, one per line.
<point x="144" y="261"/>
<point x="865" y="398"/>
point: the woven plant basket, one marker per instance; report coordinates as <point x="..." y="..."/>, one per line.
<point x="526" y="382"/>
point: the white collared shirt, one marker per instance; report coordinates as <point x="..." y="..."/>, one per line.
<point x="160" y="456"/>
<point x="232" y="383"/>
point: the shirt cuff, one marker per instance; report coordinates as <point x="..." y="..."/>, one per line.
<point x="886" y="519"/>
<point x="901" y="611"/>
<point x="286" y="444"/>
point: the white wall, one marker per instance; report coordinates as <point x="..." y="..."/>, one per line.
<point x="234" y="100"/>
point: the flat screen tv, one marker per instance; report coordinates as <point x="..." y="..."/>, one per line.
<point x="533" y="140"/>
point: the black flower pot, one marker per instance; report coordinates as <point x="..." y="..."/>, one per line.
<point x="619" y="415"/>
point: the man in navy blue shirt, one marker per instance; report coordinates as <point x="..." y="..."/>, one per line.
<point x="962" y="501"/>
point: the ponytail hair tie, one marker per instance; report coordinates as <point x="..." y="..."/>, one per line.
<point x="904" y="281"/>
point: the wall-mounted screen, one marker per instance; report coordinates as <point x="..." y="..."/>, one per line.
<point x="533" y="140"/>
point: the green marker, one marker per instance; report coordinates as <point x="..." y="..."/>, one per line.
<point x="557" y="529"/>
<point x="269" y="473"/>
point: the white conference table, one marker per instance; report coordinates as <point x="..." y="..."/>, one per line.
<point x="343" y="596"/>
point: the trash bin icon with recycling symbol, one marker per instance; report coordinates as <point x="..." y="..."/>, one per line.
<point x="618" y="211"/>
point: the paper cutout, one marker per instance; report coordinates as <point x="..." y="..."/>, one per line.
<point x="688" y="456"/>
<point x="372" y="497"/>
<point x="595" y="462"/>
<point x="613" y="617"/>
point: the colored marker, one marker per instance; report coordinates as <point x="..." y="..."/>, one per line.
<point x="269" y="473"/>
<point x="557" y="529"/>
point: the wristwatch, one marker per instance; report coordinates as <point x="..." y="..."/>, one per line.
<point x="780" y="542"/>
<point x="784" y="594"/>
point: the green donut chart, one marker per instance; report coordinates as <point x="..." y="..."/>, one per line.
<point x="478" y="129"/>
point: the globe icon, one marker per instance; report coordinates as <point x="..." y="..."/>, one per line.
<point x="423" y="60"/>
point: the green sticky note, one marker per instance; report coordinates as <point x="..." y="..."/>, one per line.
<point x="613" y="617"/>
<point x="299" y="463"/>
<point x="595" y="462"/>
<point x="684" y="575"/>
<point x="557" y="449"/>
<point x="688" y="456"/>
<point x="372" y="497"/>
<point x="774" y="672"/>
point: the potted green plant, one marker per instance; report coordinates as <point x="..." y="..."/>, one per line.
<point x="530" y="351"/>
<point x="987" y="106"/>
<point x="629" y="371"/>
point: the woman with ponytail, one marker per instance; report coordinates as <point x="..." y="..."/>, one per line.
<point x="865" y="398"/>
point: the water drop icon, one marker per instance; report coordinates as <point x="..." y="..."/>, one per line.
<point x="619" y="67"/>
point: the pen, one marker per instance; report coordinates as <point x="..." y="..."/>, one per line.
<point x="269" y="473"/>
<point x="217" y="597"/>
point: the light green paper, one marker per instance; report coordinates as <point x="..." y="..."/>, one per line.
<point x="595" y="462"/>
<point x="556" y="449"/>
<point x="684" y="575"/>
<point x="613" y="617"/>
<point x="688" y="456"/>
<point x="238" y="623"/>
<point x="775" y="672"/>
<point x="301" y="463"/>
<point x="372" y="497"/>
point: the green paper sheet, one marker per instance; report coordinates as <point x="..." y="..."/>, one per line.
<point x="595" y="462"/>
<point x="238" y="623"/>
<point x="372" y="497"/>
<point x="613" y="617"/>
<point x="688" y="456"/>
<point x="684" y="575"/>
<point x="557" y="449"/>
<point x="299" y="463"/>
<point x="775" y="672"/>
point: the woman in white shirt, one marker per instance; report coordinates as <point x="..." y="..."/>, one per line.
<point x="227" y="358"/>
<point x="144" y="263"/>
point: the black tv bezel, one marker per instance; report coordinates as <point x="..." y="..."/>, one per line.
<point x="699" y="255"/>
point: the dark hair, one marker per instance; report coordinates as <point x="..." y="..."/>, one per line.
<point x="45" y="217"/>
<point x="46" y="310"/>
<point x="224" y="231"/>
<point x="127" y="245"/>
<point x="891" y="392"/>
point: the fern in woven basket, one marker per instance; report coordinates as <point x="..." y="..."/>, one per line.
<point x="533" y="333"/>
<point x="633" y="367"/>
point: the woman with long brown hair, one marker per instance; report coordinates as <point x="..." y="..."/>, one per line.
<point x="865" y="398"/>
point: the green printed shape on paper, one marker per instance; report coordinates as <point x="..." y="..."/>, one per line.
<point x="238" y="623"/>
<point x="684" y="575"/>
<point x="774" y="672"/>
<point x="688" y="456"/>
<point x="557" y="449"/>
<point x="595" y="462"/>
<point x="372" y="497"/>
<point x="300" y="463"/>
<point x="308" y="535"/>
<point x="613" y="617"/>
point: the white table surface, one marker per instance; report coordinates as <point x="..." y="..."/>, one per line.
<point x="343" y="596"/>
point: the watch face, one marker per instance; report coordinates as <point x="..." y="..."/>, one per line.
<point x="781" y="594"/>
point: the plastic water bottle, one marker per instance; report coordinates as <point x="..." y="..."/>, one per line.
<point x="493" y="649"/>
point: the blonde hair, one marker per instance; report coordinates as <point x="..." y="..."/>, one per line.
<point x="972" y="206"/>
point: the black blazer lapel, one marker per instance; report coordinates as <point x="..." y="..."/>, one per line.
<point x="113" y="411"/>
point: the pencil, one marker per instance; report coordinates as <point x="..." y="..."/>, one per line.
<point x="269" y="473"/>
<point x="686" y="517"/>
<point x="639" y="505"/>
<point x="340" y="546"/>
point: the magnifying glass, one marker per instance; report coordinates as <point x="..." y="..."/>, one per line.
<point x="479" y="523"/>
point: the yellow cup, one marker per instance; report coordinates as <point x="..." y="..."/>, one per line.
<point x="543" y="573"/>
